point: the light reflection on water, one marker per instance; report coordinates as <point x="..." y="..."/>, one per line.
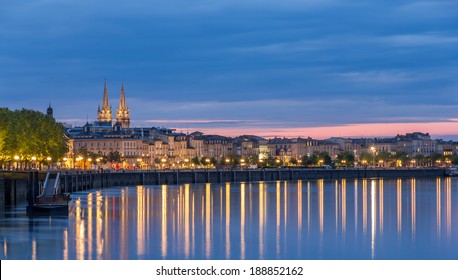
<point x="340" y="219"/>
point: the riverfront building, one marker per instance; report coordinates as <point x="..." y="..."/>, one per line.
<point x="109" y="143"/>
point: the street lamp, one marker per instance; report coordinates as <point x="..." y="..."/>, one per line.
<point x="48" y="159"/>
<point x="16" y="159"/>
<point x="373" y="154"/>
<point x="79" y="158"/>
<point x="34" y="159"/>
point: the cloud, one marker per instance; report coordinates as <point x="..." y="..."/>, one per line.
<point x="377" y="77"/>
<point x="423" y="10"/>
<point x="282" y="47"/>
<point x="290" y="112"/>
<point x="427" y="39"/>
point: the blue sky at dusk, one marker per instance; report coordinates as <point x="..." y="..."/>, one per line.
<point x="274" y="68"/>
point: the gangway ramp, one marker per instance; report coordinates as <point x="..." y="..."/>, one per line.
<point x="51" y="185"/>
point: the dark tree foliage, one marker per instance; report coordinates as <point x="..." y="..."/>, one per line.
<point x="195" y="161"/>
<point x="27" y="133"/>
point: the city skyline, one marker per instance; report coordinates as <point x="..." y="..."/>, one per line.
<point x="302" y="68"/>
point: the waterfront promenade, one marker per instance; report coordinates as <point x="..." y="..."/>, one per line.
<point x="19" y="187"/>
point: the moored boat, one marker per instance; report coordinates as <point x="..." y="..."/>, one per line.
<point x="51" y="202"/>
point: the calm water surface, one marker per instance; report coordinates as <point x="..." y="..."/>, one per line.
<point x="321" y="219"/>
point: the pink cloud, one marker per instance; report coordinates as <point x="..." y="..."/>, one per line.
<point x="350" y="130"/>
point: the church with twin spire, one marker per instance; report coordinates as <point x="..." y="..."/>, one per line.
<point x="105" y="114"/>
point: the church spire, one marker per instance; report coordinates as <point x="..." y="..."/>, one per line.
<point x="122" y="100"/>
<point x="49" y="111"/>
<point x="105" y="104"/>
<point x="104" y="115"/>
<point x="122" y="114"/>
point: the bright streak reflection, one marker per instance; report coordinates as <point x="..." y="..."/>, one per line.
<point x="208" y="213"/>
<point x="164" y="222"/>
<point x="228" y="220"/>
<point x="364" y="206"/>
<point x="399" y="206"/>
<point x="242" y="221"/>
<point x="380" y="204"/>
<point x="344" y="205"/>
<point x="448" y="207"/>
<point x="438" y="207"/>
<point x="413" y="199"/>
<point x="373" y="216"/>
<point x="206" y="221"/>
<point x="278" y="218"/>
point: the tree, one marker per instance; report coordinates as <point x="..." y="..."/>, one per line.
<point x="345" y="159"/>
<point x="195" y="161"/>
<point x="385" y="157"/>
<point x="325" y="157"/>
<point x="252" y="159"/>
<point x="420" y="160"/>
<point x="205" y="161"/>
<point x="366" y="158"/>
<point x="235" y="158"/>
<point x="401" y="158"/>
<point x="270" y="161"/>
<point x="309" y="160"/>
<point x="114" y="157"/>
<point x="454" y="159"/>
<point x="29" y="134"/>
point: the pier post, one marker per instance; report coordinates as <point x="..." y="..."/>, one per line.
<point x="30" y="189"/>
<point x="36" y="186"/>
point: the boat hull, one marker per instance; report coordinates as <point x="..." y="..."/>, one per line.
<point x="48" y="210"/>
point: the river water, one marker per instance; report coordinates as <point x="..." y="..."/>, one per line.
<point x="319" y="219"/>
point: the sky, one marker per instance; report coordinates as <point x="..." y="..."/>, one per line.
<point x="274" y="68"/>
